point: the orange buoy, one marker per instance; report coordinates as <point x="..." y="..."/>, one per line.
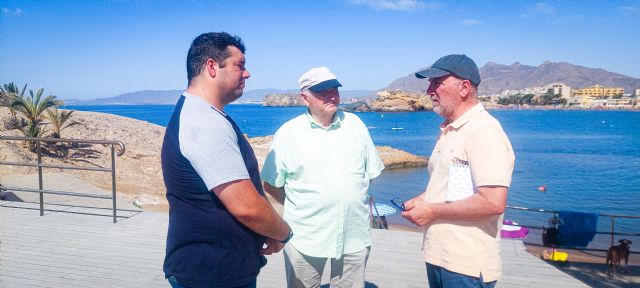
<point x="542" y="188"/>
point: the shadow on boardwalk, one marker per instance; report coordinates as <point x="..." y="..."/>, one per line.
<point x="594" y="274"/>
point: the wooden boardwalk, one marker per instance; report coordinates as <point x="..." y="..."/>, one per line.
<point x="73" y="250"/>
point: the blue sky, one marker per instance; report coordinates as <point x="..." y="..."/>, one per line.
<point x="94" y="49"/>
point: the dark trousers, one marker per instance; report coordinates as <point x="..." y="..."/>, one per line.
<point x="174" y="283"/>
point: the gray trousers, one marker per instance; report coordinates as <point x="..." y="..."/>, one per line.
<point x="305" y="271"/>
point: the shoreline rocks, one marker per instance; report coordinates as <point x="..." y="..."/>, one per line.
<point x="282" y="100"/>
<point x="400" y="101"/>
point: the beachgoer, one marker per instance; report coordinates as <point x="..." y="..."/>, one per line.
<point x="219" y="218"/>
<point x="319" y="166"/>
<point x="469" y="174"/>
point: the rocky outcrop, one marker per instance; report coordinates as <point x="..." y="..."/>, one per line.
<point x="395" y="158"/>
<point x="290" y="99"/>
<point x="398" y="100"/>
<point x="391" y="157"/>
<point x="358" y="106"/>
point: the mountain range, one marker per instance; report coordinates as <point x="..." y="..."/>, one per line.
<point x="495" y="79"/>
<point x="171" y="96"/>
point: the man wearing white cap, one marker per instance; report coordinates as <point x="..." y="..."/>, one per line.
<point x="319" y="167"/>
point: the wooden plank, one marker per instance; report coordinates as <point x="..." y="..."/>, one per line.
<point x="70" y="250"/>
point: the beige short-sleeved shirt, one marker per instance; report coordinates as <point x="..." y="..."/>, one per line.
<point x="468" y="247"/>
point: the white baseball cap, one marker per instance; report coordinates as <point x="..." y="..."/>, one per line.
<point x="318" y="79"/>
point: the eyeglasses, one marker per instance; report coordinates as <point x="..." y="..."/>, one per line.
<point x="333" y="92"/>
<point x="435" y="84"/>
<point x="398" y="203"/>
<point x="444" y="81"/>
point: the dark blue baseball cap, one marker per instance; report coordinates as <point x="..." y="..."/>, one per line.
<point x="459" y="65"/>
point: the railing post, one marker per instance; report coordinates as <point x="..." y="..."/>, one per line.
<point x="40" y="186"/>
<point x="113" y="180"/>
<point x="613" y="225"/>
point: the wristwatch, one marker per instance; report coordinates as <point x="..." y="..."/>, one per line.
<point x="285" y="240"/>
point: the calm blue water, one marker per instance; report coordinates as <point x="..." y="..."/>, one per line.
<point x="588" y="160"/>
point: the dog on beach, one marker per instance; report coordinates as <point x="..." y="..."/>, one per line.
<point x="615" y="254"/>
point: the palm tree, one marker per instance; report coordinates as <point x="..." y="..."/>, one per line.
<point x="59" y="120"/>
<point x="32" y="130"/>
<point x="9" y="92"/>
<point x="33" y="107"/>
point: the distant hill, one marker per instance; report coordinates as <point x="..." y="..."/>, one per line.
<point x="132" y="98"/>
<point x="497" y="78"/>
<point x="171" y="96"/>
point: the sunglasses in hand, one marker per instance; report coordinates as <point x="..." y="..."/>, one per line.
<point x="398" y="203"/>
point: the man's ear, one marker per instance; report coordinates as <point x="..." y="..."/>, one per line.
<point x="211" y="67"/>
<point x="466" y="88"/>
<point x="304" y="98"/>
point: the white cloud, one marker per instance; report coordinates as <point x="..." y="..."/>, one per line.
<point x="398" y="5"/>
<point x="9" y="11"/>
<point x="539" y="9"/>
<point x="630" y="10"/>
<point x="631" y="13"/>
<point x="470" y="22"/>
<point x="567" y="19"/>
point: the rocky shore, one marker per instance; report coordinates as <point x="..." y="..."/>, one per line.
<point x="139" y="174"/>
<point x="279" y="100"/>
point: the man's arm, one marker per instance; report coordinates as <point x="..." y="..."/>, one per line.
<point x="251" y="209"/>
<point x="490" y="200"/>
<point x="275" y="192"/>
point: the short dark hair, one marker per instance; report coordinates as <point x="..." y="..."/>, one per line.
<point x="212" y="45"/>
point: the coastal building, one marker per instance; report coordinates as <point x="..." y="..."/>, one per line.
<point x="598" y="91"/>
<point x="560" y="88"/>
<point x="619" y="103"/>
<point x="637" y="92"/>
<point x="554" y="88"/>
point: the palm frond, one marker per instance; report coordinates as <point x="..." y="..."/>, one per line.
<point x="59" y="120"/>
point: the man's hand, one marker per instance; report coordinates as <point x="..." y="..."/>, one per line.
<point x="272" y="246"/>
<point x="418" y="212"/>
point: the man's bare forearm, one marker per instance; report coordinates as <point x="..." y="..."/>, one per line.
<point x="490" y="200"/>
<point x="276" y="192"/>
<point x="487" y="202"/>
<point x="251" y="209"/>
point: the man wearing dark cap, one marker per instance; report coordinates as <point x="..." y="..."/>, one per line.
<point x="319" y="166"/>
<point x="469" y="176"/>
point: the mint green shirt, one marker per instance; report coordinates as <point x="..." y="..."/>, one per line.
<point x="325" y="173"/>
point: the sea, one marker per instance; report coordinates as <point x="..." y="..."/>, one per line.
<point x="586" y="160"/>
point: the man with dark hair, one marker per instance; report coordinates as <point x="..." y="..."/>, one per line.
<point x="469" y="176"/>
<point x="219" y="219"/>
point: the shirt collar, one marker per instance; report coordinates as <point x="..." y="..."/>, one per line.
<point x="337" y="119"/>
<point x="464" y="118"/>
<point x="189" y="95"/>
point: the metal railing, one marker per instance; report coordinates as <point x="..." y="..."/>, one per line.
<point x="40" y="166"/>
<point x="613" y="217"/>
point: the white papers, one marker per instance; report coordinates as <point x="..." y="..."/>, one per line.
<point x="460" y="185"/>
